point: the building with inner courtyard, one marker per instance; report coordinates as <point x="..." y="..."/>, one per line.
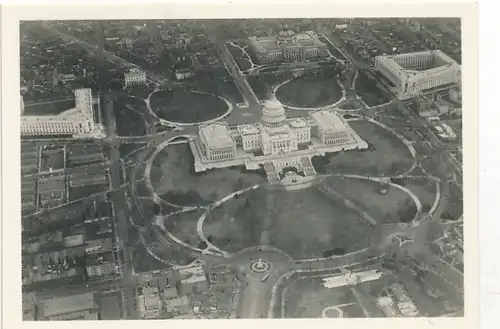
<point x="415" y="73"/>
<point x="275" y="142"/>
<point x="78" y="122"/>
<point x="287" y="46"/>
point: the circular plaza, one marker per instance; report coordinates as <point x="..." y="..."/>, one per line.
<point x="260" y="266"/>
<point x="188" y="106"/>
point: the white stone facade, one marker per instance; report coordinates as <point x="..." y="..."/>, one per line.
<point x="135" y="77"/>
<point x="217" y="142"/>
<point x="76" y="121"/>
<point x="250" y="137"/>
<point x="288" y="46"/>
<point x="332" y="128"/>
<point x="276" y="139"/>
<point x="413" y="73"/>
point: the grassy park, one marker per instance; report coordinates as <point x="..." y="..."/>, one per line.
<point x="385" y="203"/>
<point x="310" y="91"/>
<point x="173" y="178"/>
<point x="185" y="106"/>
<point x="369" y="91"/>
<point x="303" y="223"/>
<point x="130" y="116"/>
<point x="387" y="155"/>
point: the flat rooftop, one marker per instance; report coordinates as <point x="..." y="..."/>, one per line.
<point x="51" y="184"/>
<point x="69" y="304"/>
<point x="302" y="39"/>
<point x="110" y="307"/>
<point x="298" y="123"/>
<point x="328" y="120"/>
<point x="429" y="59"/>
<point x="248" y="129"/>
<point x="217" y="135"/>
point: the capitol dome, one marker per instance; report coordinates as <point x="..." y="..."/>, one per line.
<point x="273" y="114"/>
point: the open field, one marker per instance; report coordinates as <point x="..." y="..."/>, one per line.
<point x="424" y="189"/>
<point x="143" y="262"/>
<point x="129" y="118"/>
<point x="310" y="91"/>
<point x="303" y="223"/>
<point x="389" y="157"/>
<point x="385" y="208"/>
<point x="306" y="223"/>
<point x="187" y="107"/>
<point x="225" y="88"/>
<point x="262" y="84"/>
<point x="183" y="226"/>
<point x="173" y="178"/>
<point x="237" y="223"/>
<point x="369" y="91"/>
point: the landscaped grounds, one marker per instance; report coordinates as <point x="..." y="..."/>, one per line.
<point x="387" y="155"/>
<point x="369" y="91"/>
<point x="173" y="178"/>
<point x="185" y="106"/>
<point x="304" y="223"/>
<point x="387" y="204"/>
<point x="129" y="115"/>
<point x="310" y="91"/>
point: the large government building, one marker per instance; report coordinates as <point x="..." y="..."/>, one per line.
<point x="414" y="73"/>
<point x="78" y="122"/>
<point x="135" y="77"/>
<point x="274" y="142"/>
<point x="288" y="46"/>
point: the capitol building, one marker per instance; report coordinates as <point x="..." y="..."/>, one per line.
<point x="275" y="142"/>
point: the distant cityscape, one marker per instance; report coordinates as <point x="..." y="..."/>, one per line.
<point x="257" y="168"/>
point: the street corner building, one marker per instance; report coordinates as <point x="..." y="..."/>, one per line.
<point x="78" y="122"/>
<point x="287" y="46"/>
<point x="275" y="142"/>
<point x="413" y="74"/>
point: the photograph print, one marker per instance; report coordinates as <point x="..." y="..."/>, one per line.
<point x="241" y="168"/>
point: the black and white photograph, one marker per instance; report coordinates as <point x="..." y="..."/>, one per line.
<point x="257" y="168"/>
